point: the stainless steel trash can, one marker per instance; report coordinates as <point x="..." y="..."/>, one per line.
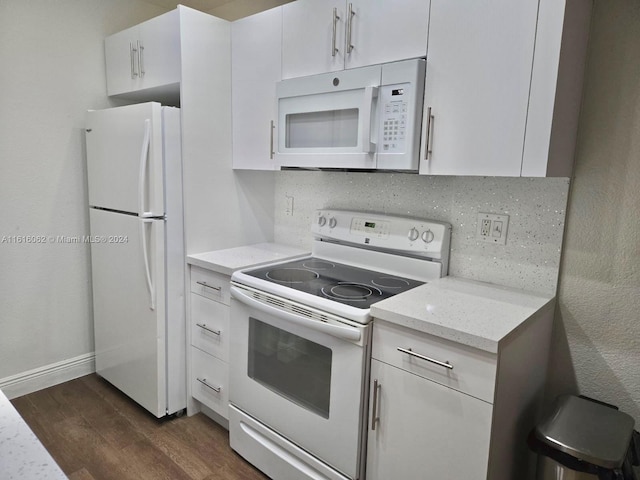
<point x="582" y="439"/>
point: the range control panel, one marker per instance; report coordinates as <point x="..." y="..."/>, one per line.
<point x="387" y="232"/>
<point x="379" y="229"/>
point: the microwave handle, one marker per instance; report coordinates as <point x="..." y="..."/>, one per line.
<point x="370" y="94"/>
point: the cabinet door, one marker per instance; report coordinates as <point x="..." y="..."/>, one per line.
<point x="425" y="430"/>
<point x="477" y="86"/>
<point x="308" y="37"/>
<point x="121" y="57"/>
<point x="256" y="43"/>
<point x="387" y="31"/>
<point x="160" y="51"/>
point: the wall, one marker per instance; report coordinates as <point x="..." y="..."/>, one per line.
<point x="536" y="207"/>
<point x="52" y="72"/>
<point x="597" y="338"/>
<point x="233" y="10"/>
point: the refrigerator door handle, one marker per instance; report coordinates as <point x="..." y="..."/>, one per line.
<point x="145" y="255"/>
<point x="142" y="177"/>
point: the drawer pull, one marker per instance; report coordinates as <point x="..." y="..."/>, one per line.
<point x="408" y="351"/>
<point x="204" y="327"/>
<point x="208" y="385"/>
<point x="205" y="284"/>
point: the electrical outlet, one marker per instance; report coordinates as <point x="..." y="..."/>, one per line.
<point x="485" y="227"/>
<point x="492" y="228"/>
<point x="288" y="209"/>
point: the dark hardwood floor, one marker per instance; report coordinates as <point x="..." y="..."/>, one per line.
<point x="95" y="432"/>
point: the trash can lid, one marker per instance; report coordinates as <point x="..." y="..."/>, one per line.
<point x="588" y="431"/>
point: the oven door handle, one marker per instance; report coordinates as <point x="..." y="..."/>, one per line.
<point x="346" y="333"/>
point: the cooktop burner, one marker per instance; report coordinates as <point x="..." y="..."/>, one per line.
<point x="291" y="275"/>
<point x="339" y="282"/>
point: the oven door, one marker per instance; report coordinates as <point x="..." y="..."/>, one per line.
<point x="329" y="120"/>
<point x="302" y="378"/>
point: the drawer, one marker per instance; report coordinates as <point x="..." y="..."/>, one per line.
<point x="473" y="372"/>
<point x="210" y="326"/>
<point x="210" y="284"/>
<point x="210" y="381"/>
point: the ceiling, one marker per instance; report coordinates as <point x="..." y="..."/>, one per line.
<point x="227" y="9"/>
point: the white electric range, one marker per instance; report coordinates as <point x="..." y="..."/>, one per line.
<point x="300" y="340"/>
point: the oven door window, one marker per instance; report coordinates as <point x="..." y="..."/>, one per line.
<point x="291" y="366"/>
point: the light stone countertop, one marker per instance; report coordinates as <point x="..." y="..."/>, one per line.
<point x="231" y="259"/>
<point x="469" y="312"/>
<point x="22" y="456"/>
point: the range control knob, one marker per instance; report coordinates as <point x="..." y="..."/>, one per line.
<point x="322" y="220"/>
<point x="413" y="234"/>
<point x="427" y="236"/>
<point x="332" y="222"/>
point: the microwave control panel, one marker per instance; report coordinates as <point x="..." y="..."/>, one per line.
<point x="394" y="101"/>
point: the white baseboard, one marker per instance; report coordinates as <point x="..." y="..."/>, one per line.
<point x="48" y="375"/>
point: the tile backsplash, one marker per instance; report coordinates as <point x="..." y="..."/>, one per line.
<point x="536" y="207"/>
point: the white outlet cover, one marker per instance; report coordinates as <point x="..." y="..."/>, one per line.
<point x="498" y="230"/>
<point x="288" y="211"/>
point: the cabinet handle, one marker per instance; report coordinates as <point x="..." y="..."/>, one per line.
<point x="334" y="50"/>
<point x="375" y="418"/>
<point x="271" y="151"/>
<point x="207" y="384"/>
<point x="428" y="148"/>
<point x="132" y="53"/>
<point x="408" y="351"/>
<point x="204" y="327"/>
<point x="141" y="59"/>
<point x="205" y="284"/>
<point x="350" y="16"/>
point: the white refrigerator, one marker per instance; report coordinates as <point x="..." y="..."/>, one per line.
<point x="134" y="172"/>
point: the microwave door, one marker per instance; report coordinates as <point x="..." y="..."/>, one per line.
<point x="329" y="127"/>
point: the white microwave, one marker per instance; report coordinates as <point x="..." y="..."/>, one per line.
<point x="364" y="118"/>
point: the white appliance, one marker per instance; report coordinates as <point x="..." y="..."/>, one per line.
<point x="301" y="336"/>
<point x="363" y="118"/>
<point x="134" y="172"/>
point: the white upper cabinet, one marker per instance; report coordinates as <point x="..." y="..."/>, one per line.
<point x="556" y="87"/>
<point x="160" y="54"/>
<point x="477" y="86"/>
<point x="121" y="53"/>
<point x="322" y="36"/>
<point x="255" y="68"/>
<point x="383" y="31"/>
<point x="503" y="87"/>
<point x="146" y="56"/>
<point x="310" y="31"/>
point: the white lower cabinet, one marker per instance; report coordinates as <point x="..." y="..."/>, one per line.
<point x="210" y="326"/>
<point x="209" y="344"/>
<point x="424" y="430"/>
<point x="439" y="409"/>
<point x="210" y="381"/>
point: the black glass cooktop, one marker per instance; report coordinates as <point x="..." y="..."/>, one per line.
<point x="342" y="283"/>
